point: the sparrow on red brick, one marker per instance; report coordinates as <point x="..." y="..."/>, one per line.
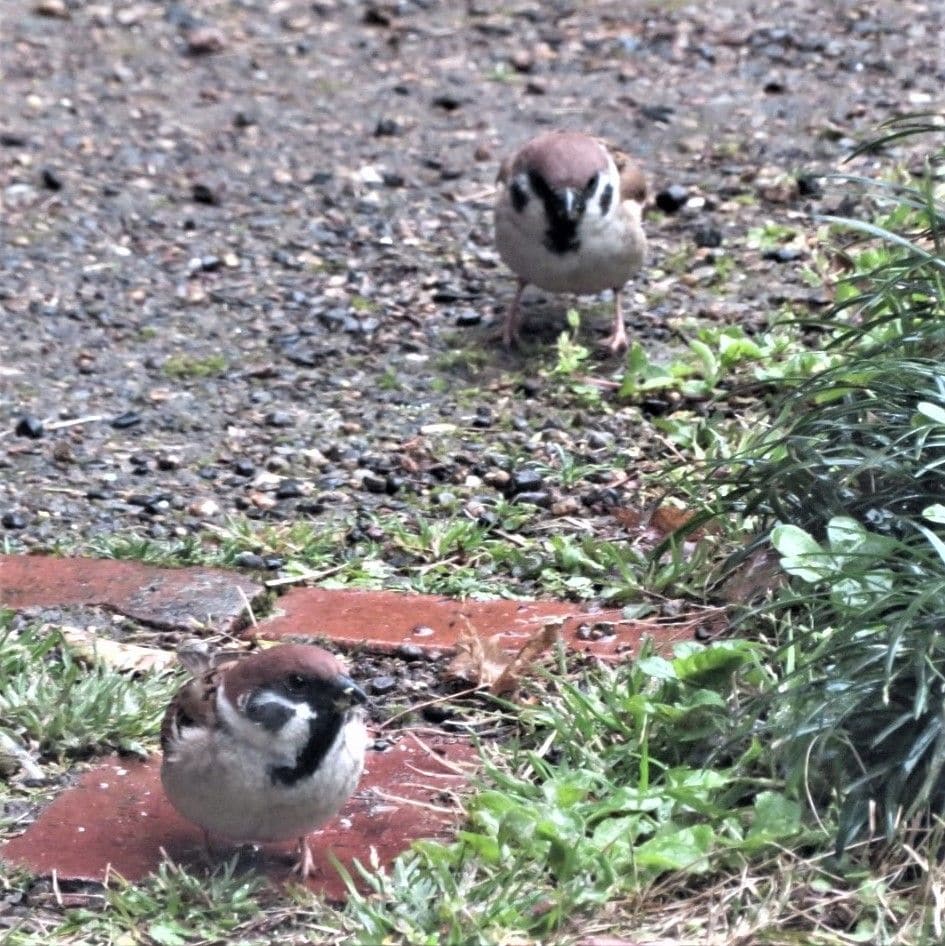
<point x="568" y="219"/>
<point x="264" y="747"/>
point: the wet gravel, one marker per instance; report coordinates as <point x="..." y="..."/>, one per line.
<point x="245" y="248"/>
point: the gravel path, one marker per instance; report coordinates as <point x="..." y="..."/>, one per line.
<point x="245" y="247"/>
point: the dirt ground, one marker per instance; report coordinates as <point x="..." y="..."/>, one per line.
<point x="246" y="264"/>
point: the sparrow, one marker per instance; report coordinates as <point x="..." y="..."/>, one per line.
<point x="568" y="219"/>
<point x="263" y="747"/>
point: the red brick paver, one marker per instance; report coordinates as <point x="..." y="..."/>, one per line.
<point x="161" y="597"/>
<point x="117" y="818"/>
<point x="386" y="620"/>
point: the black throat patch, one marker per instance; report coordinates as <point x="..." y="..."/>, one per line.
<point x="561" y="236"/>
<point x="322" y="732"/>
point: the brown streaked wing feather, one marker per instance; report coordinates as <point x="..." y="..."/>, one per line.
<point x="632" y="179"/>
<point x="192" y="705"/>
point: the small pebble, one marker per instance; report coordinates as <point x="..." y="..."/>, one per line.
<point x="128" y="419"/>
<point x="249" y="560"/>
<point x="13" y="520"/>
<point x="672" y="198"/>
<point x="383" y="684"/>
<point x="523" y="480"/>
<point x="289" y="489"/>
<point x="28" y="426"/>
<point x="279" y="419"/>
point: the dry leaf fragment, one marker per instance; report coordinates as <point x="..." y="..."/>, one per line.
<point x="483" y="662"/>
<point x="93" y="649"/>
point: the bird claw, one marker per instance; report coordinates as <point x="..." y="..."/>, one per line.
<point x="616" y="343"/>
<point x="305" y="865"/>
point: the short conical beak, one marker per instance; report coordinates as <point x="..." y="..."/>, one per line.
<point x="571" y="204"/>
<point x="350" y="693"/>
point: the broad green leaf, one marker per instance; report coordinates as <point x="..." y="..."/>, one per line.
<point x="167" y="934"/>
<point x="657" y="667"/>
<point x="932" y="411"/>
<point x="675" y="848"/>
<point x="801" y="554"/>
<point x="723" y="656"/>
<point x="775" y="817"/>
<point x="935" y="513"/>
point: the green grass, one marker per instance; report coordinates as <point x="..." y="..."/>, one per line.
<point x="66" y="710"/>
<point x="184" y="366"/>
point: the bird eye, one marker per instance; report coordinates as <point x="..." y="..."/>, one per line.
<point x="591" y="183"/>
<point x="296" y="682"/>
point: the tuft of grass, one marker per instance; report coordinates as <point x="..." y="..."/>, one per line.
<point x="845" y="486"/>
<point x="605" y="797"/>
<point x="68" y="710"/>
<point x="185" y="366"/>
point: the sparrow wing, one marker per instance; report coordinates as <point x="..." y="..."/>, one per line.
<point x="632" y="179"/>
<point x="195" y="702"/>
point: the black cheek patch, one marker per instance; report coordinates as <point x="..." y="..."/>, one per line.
<point x="268" y="714"/>
<point x="519" y="197"/>
<point x="606" y="199"/>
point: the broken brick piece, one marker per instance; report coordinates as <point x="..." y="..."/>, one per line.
<point x="166" y="598"/>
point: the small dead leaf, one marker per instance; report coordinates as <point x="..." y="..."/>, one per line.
<point x="484" y="662"/>
<point x="662" y="520"/>
<point x="93" y="649"/>
<point x="755" y="577"/>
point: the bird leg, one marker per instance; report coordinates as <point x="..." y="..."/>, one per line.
<point x="305" y="866"/>
<point x="513" y="317"/>
<point x="207" y="847"/>
<point x="617" y="340"/>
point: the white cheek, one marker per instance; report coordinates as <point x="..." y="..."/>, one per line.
<point x="282" y="745"/>
<point x="593" y="206"/>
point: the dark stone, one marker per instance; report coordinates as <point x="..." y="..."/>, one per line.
<point x="783" y="254"/>
<point x="436" y="713"/>
<point x="386" y="127"/>
<point x="128" y="419"/>
<point x="210" y="264"/>
<point x="809" y="186"/>
<point x="28" y="426"/>
<point x="273" y="562"/>
<point x="374" y="483"/>
<point x="449" y="103"/>
<point x="383" y="684"/>
<point x="483" y="417"/>
<point x="243" y="468"/>
<point x="51" y="180"/>
<point x="535" y="497"/>
<point x="279" y="419"/>
<point x="411" y="652"/>
<point x="468" y="318"/>
<point x="249" y="560"/>
<point x="671" y="198"/>
<point x="289" y="489"/>
<point x="13" y="139"/>
<point x="13" y="520"/>
<point x="203" y="193"/>
<point x="208" y="473"/>
<point x="524" y="480"/>
<point x="707" y="235"/>
<point x="243" y="119"/>
<point x="662" y="114"/>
